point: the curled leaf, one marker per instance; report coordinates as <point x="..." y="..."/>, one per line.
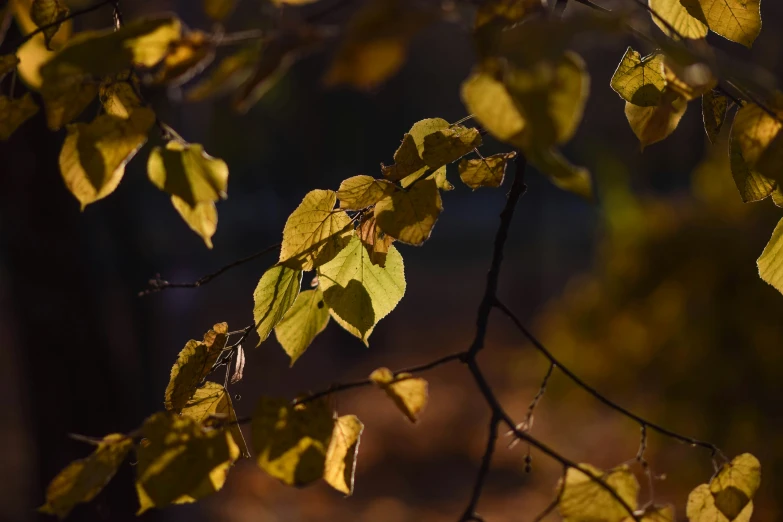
<point x="340" y="463"/>
<point x="408" y="393"/>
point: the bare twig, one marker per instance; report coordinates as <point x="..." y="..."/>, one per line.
<point x="486" y="461"/>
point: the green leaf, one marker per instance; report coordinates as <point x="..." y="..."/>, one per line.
<point x="408" y="393"/>
<point x="584" y="500"/>
<point x="409" y="215"/>
<point x="684" y="16"/>
<point x="83" y="479"/>
<point x="202" y="218"/>
<point x="291" y="441"/>
<point x="445" y="146"/>
<point x="229" y="73"/>
<point x="315" y="231"/>
<point x="340" y="465"/>
<point x="93" y="157"/>
<point x="771" y="261"/>
<point x="485" y="172"/>
<point x="302" y="323"/>
<point x="713" y="109"/>
<point x="193" y="364"/>
<point x="186" y="171"/>
<point x="735" y="20"/>
<point x="358" y="292"/>
<point x="219" y="10"/>
<point x="361" y="192"/>
<point x="14" y="112"/>
<point x="639" y="80"/>
<point x="752" y="185"/>
<point x="275" y="294"/>
<point x="212" y="402"/>
<point x="180" y="461"/>
<point x="45" y="12"/>
<point x="654" y="124"/>
<point x="376" y="43"/>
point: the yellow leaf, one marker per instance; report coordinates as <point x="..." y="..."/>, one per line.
<point x="213" y="402"/>
<point x="408" y="393"/>
<point x="341" y="456"/>
<point x="653" y="124"/>
<point x="407" y="160"/>
<point x="639" y="80"/>
<point x="409" y="215"/>
<point x="229" y="73"/>
<point x="777" y="197"/>
<point x="291" y="441"/>
<point x="45" y="12"/>
<point x="193" y="364"/>
<point x="359" y="293"/>
<point x="445" y="146"/>
<point x="361" y="192"/>
<point x="118" y="98"/>
<point x="735" y="484"/>
<point x="684" y="16"/>
<point x="33" y="53"/>
<point x="14" y="112"/>
<point x="752" y="185"/>
<point x="68" y="100"/>
<point x="701" y="508"/>
<point x="376" y="43"/>
<point x="561" y="173"/>
<point x="275" y="294"/>
<point x="202" y="219"/>
<point x="690" y="80"/>
<point x="308" y="317"/>
<point x="758" y="137"/>
<point x="485" y="172"/>
<point x="584" y="500"/>
<point x="735" y="20"/>
<point x="506" y="10"/>
<point x="713" y="109"/>
<point x="186" y="58"/>
<point x="487" y="98"/>
<point x="179" y="461"/>
<point x="315" y="231"/>
<point x="83" y="479"/>
<point x="93" y="157"/>
<point x="219" y="10"/>
<point x="375" y="241"/>
<point x="186" y="171"/>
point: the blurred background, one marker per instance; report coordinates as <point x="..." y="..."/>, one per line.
<point x="651" y="295"/>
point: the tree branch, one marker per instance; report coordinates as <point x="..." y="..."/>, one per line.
<point x="486" y="461"/>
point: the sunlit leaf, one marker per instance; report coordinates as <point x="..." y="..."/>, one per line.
<point x="374" y="240"/>
<point x="408" y="393"/>
<point x="193" y="363"/>
<point x="14" y="112"/>
<point x="408" y="160"/>
<point x="358" y="292"/>
<point x="701" y="508"/>
<point x="219" y="10"/>
<point x="213" y="402"/>
<point x="735" y="20"/>
<point x="361" y="192"/>
<point x="409" y="215"/>
<point x="186" y="57"/>
<point x="639" y="80"/>
<point x="46" y="12"/>
<point x="186" y="171"/>
<point x="653" y="124"/>
<point x="485" y="172"/>
<point x="691" y="80"/>
<point x="315" y="231"/>
<point x="445" y="146"/>
<point x="202" y="219"/>
<point x="735" y="484"/>
<point x="341" y="456"/>
<point x="275" y="294"/>
<point x="179" y="461"/>
<point x="228" y="74"/>
<point x="308" y="317"/>
<point x="752" y="185"/>
<point x="291" y="441"/>
<point x="83" y="479"/>
<point x="562" y="173"/>
<point x="487" y="98"/>
<point x="583" y="499"/>
<point x="758" y="137"/>
<point x="685" y="17"/>
<point x="376" y="43"/>
<point x="33" y="53"/>
<point x="713" y="108"/>
<point x="93" y="157"/>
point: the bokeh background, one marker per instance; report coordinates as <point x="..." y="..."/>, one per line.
<point x="651" y="295"/>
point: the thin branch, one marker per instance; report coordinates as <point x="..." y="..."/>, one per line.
<point x="158" y="284"/>
<point x="486" y="461"/>
<point x="714" y="450"/>
<point x="72" y="14"/>
<point x="591" y="5"/>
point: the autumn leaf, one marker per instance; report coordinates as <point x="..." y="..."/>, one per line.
<point x="46" y="12"/>
<point x="752" y="185"/>
<point x="728" y="496"/>
<point x="202" y="219"/>
<point x="639" y="80"/>
<point x="186" y="171"/>
<point x="83" y="479"/>
<point x="409" y="215"/>
<point x="362" y="191"/>
<point x="228" y="74"/>
<point x="213" y="402"/>
<point x="408" y="393"/>
<point x="655" y="514"/>
<point x="67" y="101"/>
<point x="179" y="461"/>
<point x="275" y="294"/>
<point x="485" y="172"/>
<point x="488" y="100"/>
<point x="689" y="80"/>
<point x="340" y="464"/>
<point x="359" y="293"/>
<point x="684" y="16"/>
<point x="186" y="57"/>
<point x="735" y="20"/>
<point x="759" y="140"/>
<point x="701" y="508"/>
<point x="771" y="261"/>
<point x="315" y="231"/>
<point x="193" y="364"/>
<point x="447" y="145"/>
<point x="308" y="317"/>
<point x="713" y="109"/>
<point x="654" y="124"/>
<point x="14" y="112"/>
<point x="561" y="173"/>
<point x="408" y="161"/>
<point x="583" y="499"/>
<point x="291" y="441"/>
<point x="374" y="240"/>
